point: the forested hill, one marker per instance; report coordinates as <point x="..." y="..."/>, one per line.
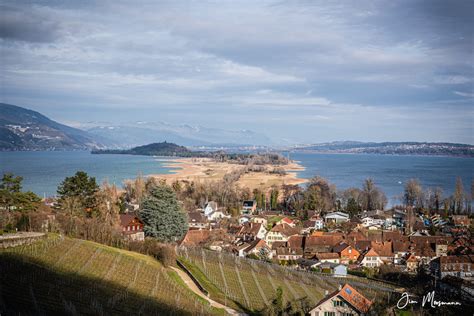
<point x="166" y="149"/>
<point x="395" y="148"/>
<point x="155" y="149"/>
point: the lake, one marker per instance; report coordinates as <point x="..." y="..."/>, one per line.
<point x="390" y="172"/>
<point x="43" y="171"/>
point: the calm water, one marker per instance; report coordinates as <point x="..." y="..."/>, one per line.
<point x="389" y="172"/>
<point x="42" y="172"/>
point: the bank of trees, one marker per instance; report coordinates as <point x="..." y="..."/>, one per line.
<point x="433" y="199"/>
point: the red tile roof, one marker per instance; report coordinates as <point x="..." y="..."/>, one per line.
<point x="126" y="219"/>
<point x="354" y="298"/>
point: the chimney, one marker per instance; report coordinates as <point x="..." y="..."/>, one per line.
<point x="326" y="293"/>
<point x="340" y="287"/>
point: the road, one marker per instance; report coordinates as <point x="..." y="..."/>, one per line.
<point x="193" y="287"/>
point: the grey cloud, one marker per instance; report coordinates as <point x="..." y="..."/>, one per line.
<point x="28" y="24"/>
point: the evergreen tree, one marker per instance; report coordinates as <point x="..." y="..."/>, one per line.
<point x="80" y="188"/>
<point x="162" y="215"/>
<point x="274" y="198"/>
<point x="11" y="196"/>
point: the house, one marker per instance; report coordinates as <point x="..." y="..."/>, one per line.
<point x="328" y="257"/>
<point x="244" y="219"/>
<point x="412" y="263"/>
<point x="196" y="220"/>
<point x="260" y="220"/>
<point x="259" y="248"/>
<point x="315" y="244"/>
<point x="400" y="250"/>
<point x="210" y="207"/>
<point x="286" y="254"/>
<point x="132" y="227"/>
<point x="249" y="207"/>
<point x="280" y="233"/>
<point x="336" y="217"/>
<point x="307" y="264"/>
<point x="371" y="259"/>
<point x="286" y="220"/>
<point x="345" y="301"/>
<point x="251" y="231"/>
<point x="347" y="253"/>
<point x="217" y="215"/>
<point x="335" y="269"/>
<point x="441" y="248"/>
<point x="461" y="220"/>
<point x="457" y="266"/>
<point x="384" y="250"/>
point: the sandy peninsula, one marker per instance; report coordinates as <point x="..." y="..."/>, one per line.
<point x="206" y="169"/>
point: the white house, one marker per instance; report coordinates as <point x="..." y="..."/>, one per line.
<point x="280" y="233"/>
<point x="260" y="220"/>
<point x="210" y="208"/>
<point x="371" y="259"/>
<point x="216" y="215"/>
<point x="336" y="217"/>
<point x="372" y="222"/>
<point x="244" y="219"/>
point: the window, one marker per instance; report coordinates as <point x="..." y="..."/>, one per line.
<point x="329" y="314"/>
<point x="338" y="303"/>
<point x="347" y="314"/>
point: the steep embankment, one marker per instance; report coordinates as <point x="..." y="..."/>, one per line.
<point x="72" y="276"/>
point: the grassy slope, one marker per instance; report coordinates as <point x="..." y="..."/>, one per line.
<point x="247" y="284"/>
<point x="71" y="276"/>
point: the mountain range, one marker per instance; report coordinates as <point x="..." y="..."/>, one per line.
<point x="23" y="129"/>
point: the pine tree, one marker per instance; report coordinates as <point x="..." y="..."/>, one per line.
<point x="80" y="187"/>
<point x="163" y="217"/>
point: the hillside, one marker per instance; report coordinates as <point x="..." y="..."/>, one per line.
<point x="392" y="148"/>
<point x="249" y="284"/>
<point x="70" y="276"/>
<point x="23" y="129"/>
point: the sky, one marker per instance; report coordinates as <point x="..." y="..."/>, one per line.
<point x="299" y="71"/>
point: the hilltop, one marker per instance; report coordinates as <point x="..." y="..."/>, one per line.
<point x="154" y="149"/>
<point x="71" y="276"/>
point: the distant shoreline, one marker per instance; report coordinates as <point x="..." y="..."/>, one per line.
<point x="376" y="154"/>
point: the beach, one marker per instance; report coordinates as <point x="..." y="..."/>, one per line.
<point x="205" y="169"/>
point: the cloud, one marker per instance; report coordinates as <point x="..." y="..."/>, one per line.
<point x="33" y="25"/>
<point x="464" y="94"/>
<point x="331" y="62"/>
<point x="451" y="80"/>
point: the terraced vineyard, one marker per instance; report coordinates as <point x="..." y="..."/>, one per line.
<point x="250" y="284"/>
<point x="71" y="276"/>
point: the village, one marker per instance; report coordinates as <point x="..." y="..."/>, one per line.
<point x="334" y="243"/>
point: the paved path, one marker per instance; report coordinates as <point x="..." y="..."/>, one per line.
<point x="193" y="287"/>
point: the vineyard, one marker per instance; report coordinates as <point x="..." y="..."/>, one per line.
<point x="249" y="285"/>
<point x="70" y="276"/>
